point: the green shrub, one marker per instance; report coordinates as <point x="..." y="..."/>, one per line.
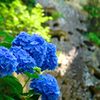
<point x="93" y="9"/>
<point x="56" y="15"/>
<point x="16" y="17"/>
<point x="94" y="38"/>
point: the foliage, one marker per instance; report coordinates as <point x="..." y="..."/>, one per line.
<point x="94" y="38"/>
<point x="5" y="39"/>
<point x="29" y="3"/>
<point x="10" y="86"/>
<point x="6" y="1"/>
<point x="16" y="17"/>
<point x="26" y="63"/>
<point x="56" y="15"/>
<point x="93" y="9"/>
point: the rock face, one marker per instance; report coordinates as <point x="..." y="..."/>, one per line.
<point x="78" y="72"/>
<point x="72" y="19"/>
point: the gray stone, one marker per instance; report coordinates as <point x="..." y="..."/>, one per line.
<point x="79" y="61"/>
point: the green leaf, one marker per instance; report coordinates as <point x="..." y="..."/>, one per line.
<point x="4" y="97"/>
<point x="32" y="75"/>
<point x="1" y="18"/>
<point x="37" y="69"/>
<point x="31" y="95"/>
<point x="94" y="38"/>
<point x="35" y="96"/>
<point x="6" y="39"/>
<point x="8" y="45"/>
<point x="10" y="86"/>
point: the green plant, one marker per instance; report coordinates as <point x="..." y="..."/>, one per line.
<point x="15" y="17"/>
<point x="28" y="56"/>
<point x="94" y="38"/>
<point x="93" y="9"/>
<point x="56" y="15"/>
<point x="29" y="3"/>
<point x="6" y="1"/>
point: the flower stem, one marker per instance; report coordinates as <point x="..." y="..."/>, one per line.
<point x="26" y="82"/>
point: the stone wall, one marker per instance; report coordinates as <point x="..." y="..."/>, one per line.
<point x="78" y="72"/>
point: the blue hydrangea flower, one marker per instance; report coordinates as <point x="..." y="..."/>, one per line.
<point x="8" y="62"/>
<point x="21" y="40"/>
<point x="25" y="61"/>
<point x="35" y="45"/>
<point x="37" y="49"/>
<point x="47" y="86"/>
<point x="51" y="60"/>
<point x="43" y="53"/>
<point x="50" y="97"/>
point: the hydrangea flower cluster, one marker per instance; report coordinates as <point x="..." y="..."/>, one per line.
<point x="29" y="51"/>
<point x="51" y="59"/>
<point x="21" y="40"/>
<point x="37" y="49"/>
<point x="46" y="85"/>
<point x="8" y="62"/>
<point x="25" y="61"/>
<point x="43" y="53"/>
